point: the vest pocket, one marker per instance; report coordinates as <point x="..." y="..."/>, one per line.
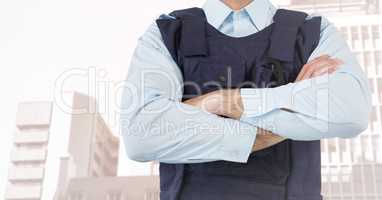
<point x="263" y="76"/>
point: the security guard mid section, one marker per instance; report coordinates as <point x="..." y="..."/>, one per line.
<point x="233" y="98"/>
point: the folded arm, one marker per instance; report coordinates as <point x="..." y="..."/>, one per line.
<point x="334" y="105"/>
<point x="156" y="125"/>
<point x="229" y="102"/>
<point x="326" y="106"/>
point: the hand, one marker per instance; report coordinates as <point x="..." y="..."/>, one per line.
<point x="319" y="66"/>
<point x="265" y="139"/>
<point x="215" y="102"/>
<point x="222" y="102"/>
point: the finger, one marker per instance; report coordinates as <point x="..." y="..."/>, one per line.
<point x="309" y="64"/>
<point x="313" y="68"/>
<point x="319" y="66"/>
<point x="332" y="69"/>
<point x="326" y="70"/>
<point x="312" y="62"/>
<point x="325" y="66"/>
<point x="332" y="66"/>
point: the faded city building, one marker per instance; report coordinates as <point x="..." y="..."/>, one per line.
<point x="92" y="148"/>
<point x="65" y="151"/>
<point x="113" y="188"/>
<point x="29" y="153"/>
<point x="54" y="143"/>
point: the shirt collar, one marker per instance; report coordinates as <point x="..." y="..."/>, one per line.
<point x="216" y="12"/>
<point x="260" y="12"/>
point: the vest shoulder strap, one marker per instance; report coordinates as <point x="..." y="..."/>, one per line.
<point x="284" y="34"/>
<point x="184" y="34"/>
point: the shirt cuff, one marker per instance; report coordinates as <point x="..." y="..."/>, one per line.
<point x="259" y="101"/>
<point x="237" y="146"/>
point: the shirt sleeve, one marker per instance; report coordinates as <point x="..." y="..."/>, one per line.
<point x="335" y="105"/>
<point x="156" y="125"/>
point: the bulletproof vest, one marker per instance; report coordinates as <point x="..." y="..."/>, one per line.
<point x="211" y="60"/>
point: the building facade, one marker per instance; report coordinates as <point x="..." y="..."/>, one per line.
<point x="352" y="168"/>
<point x="53" y="144"/>
<point x="92" y="149"/>
<point x="113" y="188"/>
<point x="29" y="153"/>
<point x="335" y="7"/>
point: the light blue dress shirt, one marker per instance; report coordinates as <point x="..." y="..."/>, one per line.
<point x="156" y="125"/>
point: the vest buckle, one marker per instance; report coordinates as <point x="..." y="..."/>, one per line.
<point x="277" y="71"/>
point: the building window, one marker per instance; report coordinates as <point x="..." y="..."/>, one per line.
<point x="378" y="61"/>
<point x="379" y="85"/>
<point x="344" y="32"/>
<point x="365" y="32"/>
<point x="367" y="60"/>
<point x="76" y="196"/>
<point x="376" y="34"/>
<point x="354" y="33"/>
<point x="151" y="195"/>
<point x="115" y="195"/>
<point x="371" y="85"/>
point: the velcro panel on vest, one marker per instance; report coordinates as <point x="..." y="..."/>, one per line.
<point x="184" y="33"/>
<point x="284" y="33"/>
<point x="193" y="38"/>
<point x="170" y="29"/>
<point x="310" y="37"/>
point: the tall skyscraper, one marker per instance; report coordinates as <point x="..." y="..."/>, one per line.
<point x="352" y="168"/>
<point x="29" y="153"/>
<point x="54" y="143"/>
<point x="92" y="149"/>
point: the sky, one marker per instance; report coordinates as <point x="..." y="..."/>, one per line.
<point x="40" y="40"/>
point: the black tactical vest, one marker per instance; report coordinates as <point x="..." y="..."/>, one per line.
<point x="269" y="58"/>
